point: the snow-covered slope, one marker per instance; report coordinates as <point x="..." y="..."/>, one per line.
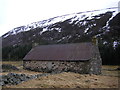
<point x="73" y="17"/>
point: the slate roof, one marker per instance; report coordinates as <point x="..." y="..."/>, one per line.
<point x="67" y="52"/>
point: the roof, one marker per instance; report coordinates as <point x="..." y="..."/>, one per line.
<point x="68" y="52"/>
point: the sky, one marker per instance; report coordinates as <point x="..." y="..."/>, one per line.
<point x="15" y="13"/>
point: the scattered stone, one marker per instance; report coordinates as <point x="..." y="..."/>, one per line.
<point x="14" y="79"/>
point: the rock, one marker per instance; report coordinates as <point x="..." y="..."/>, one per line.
<point x="14" y="79"/>
<point x="23" y="78"/>
<point x="2" y="83"/>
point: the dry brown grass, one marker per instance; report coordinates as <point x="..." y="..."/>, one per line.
<point x="111" y="67"/>
<point x="15" y="63"/>
<point x="110" y="70"/>
<point x="70" y="80"/>
<point x="108" y="79"/>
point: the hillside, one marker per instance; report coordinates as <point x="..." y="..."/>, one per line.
<point x="70" y="28"/>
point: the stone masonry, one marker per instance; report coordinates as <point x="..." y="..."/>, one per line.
<point x="90" y="66"/>
<point x="63" y="66"/>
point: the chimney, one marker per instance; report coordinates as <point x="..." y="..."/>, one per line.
<point x="94" y="40"/>
<point x="35" y="44"/>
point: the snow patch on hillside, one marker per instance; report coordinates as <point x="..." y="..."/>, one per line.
<point x="46" y="23"/>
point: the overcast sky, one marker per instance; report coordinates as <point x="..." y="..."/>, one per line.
<point x="14" y="13"/>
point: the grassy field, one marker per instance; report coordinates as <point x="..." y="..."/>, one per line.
<point x="108" y="79"/>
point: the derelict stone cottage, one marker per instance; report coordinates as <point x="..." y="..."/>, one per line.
<point x="78" y="57"/>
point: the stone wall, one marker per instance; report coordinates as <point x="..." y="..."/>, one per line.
<point x="61" y="66"/>
<point x="14" y="78"/>
<point x="96" y="62"/>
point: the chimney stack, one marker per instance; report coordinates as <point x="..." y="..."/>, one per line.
<point x="35" y="44"/>
<point x="94" y="40"/>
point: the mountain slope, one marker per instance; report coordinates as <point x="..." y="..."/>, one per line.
<point x="61" y="29"/>
<point x="70" y="28"/>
